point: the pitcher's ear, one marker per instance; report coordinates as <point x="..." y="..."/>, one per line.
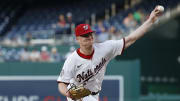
<point x="77" y="39"/>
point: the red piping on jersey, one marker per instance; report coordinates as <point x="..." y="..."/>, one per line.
<point x="83" y="55"/>
<point x="123" y="46"/>
<point x="62" y="82"/>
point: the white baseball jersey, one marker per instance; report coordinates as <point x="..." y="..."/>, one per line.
<point x="80" y="68"/>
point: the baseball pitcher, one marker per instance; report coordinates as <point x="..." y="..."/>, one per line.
<point x="82" y="74"/>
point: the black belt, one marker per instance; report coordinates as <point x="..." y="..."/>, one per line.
<point x="95" y="93"/>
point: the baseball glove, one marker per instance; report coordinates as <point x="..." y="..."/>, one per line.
<point x="78" y="92"/>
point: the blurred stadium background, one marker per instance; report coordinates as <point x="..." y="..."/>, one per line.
<point x="36" y="36"/>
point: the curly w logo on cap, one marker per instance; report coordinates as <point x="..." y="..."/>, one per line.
<point x="85" y="27"/>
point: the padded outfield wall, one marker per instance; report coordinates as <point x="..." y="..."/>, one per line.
<point x="37" y="81"/>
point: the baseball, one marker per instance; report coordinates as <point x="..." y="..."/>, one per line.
<point x="160" y="8"/>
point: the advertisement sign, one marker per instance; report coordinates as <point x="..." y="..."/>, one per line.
<point x="44" y="88"/>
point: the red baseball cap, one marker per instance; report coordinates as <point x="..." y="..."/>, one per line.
<point x="82" y="29"/>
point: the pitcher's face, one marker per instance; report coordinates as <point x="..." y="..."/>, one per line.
<point x="86" y="39"/>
